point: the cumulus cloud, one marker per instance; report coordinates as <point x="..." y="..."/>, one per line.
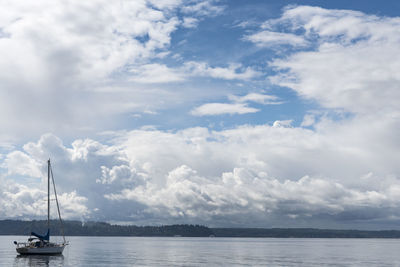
<point x="240" y="193"/>
<point x="79" y="172"/>
<point x="271" y="173"/>
<point x="20" y="163"/>
<point x="268" y="172"/>
<point x="23" y="202"/>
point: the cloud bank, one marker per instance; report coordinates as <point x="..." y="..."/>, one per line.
<point x="273" y="173"/>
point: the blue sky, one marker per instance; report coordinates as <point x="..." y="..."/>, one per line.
<point x="225" y="113"/>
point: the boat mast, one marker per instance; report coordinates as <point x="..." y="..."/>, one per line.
<point x="48" y="195"/>
<point x="58" y="206"/>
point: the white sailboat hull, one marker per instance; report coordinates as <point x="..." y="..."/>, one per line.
<point x="46" y="250"/>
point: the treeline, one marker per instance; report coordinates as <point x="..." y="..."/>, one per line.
<point x="77" y="228"/>
<point x="303" y="233"/>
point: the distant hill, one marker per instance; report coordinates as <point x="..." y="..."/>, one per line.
<point x="303" y="233"/>
<point x="76" y="228"/>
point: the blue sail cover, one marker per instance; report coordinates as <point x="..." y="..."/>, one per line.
<point x="42" y="237"/>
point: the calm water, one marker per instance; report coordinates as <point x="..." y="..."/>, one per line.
<point x="180" y="251"/>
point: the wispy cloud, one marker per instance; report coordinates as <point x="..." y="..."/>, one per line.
<point x="268" y="38"/>
<point x="232" y="72"/>
<point x="189" y="22"/>
<point x="155" y="73"/>
<point x="222" y="108"/>
<point x="160" y="73"/>
<point x="239" y="105"/>
<point x="257" y="98"/>
<point x="204" y="8"/>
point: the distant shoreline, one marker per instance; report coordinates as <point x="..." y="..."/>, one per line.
<point x="77" y="228"/>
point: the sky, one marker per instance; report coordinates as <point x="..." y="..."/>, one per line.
<point x="222" y="113"/>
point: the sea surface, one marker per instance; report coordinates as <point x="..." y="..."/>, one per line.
<point x="184" y="251"/>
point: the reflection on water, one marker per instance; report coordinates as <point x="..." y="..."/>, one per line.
<point x="39" y="260"/>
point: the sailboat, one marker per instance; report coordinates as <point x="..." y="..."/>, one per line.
<point x="40" y="244"/>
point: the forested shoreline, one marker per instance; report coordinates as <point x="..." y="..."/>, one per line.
<point x="77" y="228"/>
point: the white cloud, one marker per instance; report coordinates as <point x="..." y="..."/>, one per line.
<point x="94" y="49"/>
<point x="257" y="98"/>
<point x="285" y="123"/>
<point x="20" y="163"/>
<point x="222" y="108"/>
<point x="240" y="194"/>
<point x="222" y="175"/>
<point x="203" y="8"/>
<point x="155" y="73"/>
<point x="269" y="38"/>
<point x="160" y="73"/>
<point x="165" y="4"/>
<point x="20" y="201"/>
<point x="189" y="22"/>
<point x="363" y="56"/>
<point x="308" y="120"/>
<point x="239" y="105"/>
<point x="348" y="25"/>
<point x="73" y="206"/>
<point x="122" y="173"/>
